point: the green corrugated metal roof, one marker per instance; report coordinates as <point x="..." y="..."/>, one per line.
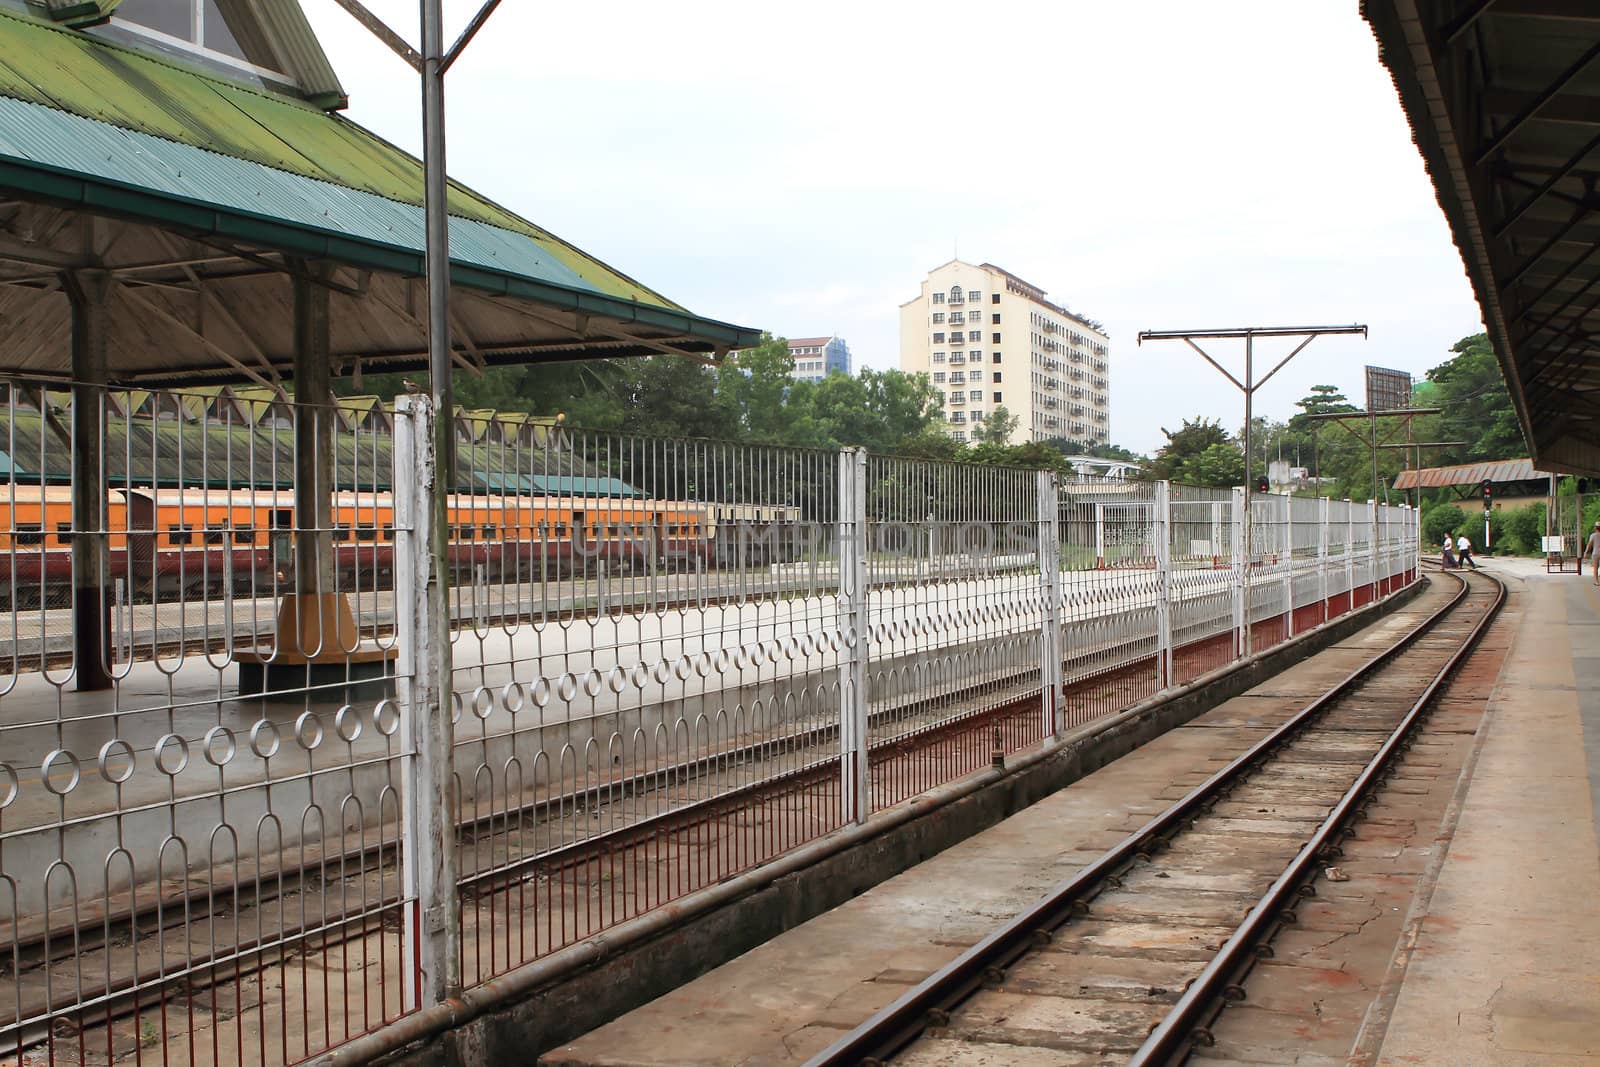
<point x="556" y="485"/>
<point x="81" y="105"/>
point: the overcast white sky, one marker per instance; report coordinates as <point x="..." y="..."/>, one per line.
<point x="800" y="167"/>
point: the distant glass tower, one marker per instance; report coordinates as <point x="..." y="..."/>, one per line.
<point x="817" y="357"/>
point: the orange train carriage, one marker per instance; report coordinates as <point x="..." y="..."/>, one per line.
<point x="166" y="542"/>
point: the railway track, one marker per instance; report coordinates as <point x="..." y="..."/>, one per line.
<point x="1132" y="959"/>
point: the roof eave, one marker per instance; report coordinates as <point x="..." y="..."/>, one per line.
<point x="202" y="220"/>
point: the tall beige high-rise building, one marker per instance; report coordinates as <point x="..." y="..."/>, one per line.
<point x="988" y="339"/>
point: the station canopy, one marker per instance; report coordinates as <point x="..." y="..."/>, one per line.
<point x="1503" y="97"/>
<point x="1495" y="472"/>
<point x="202" y="193"/>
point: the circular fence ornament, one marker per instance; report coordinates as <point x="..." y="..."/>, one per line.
<point x="116" y="761"/>
<point x="482" y="702"/>
<point x="8" y="785"/>
<point x="265" y="739"/>
<point x="308" y="730"/>
<point x="59" y="772"/>
<point x="347" y="724"/>
<point x="386" y="717"/>
<point x="219" y="746"/>
<point x="172" y="755"/>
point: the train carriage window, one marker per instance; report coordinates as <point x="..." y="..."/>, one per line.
<point x="64" y="533"/>
<point x="29" y="533"/>
<point x="283" y="519"/>
<point x="487" y="533"/>
<point x="216" y="535"/>
<point x="388" y="533"/>
<point x="244" y="535"/>
<point x="341" y="533"/>
<point x="366" y="533"/>
<point x="179" y="535"/>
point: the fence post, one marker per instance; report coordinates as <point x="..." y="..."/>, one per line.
<point x="1323" y="506"/>
<point x="1350" y="554"/>
<point x="1051" y="654"/>
<point x="854" y="640"/>
<point x="1288" y="561"/>
<point x="1100" y="536"/>
<point x="1372" y="544"/>
<point x="1163" y="547"/>
<point x="1241" y="571"/>
<point x="429" y="858"/>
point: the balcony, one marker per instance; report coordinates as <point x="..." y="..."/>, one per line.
<point x="958" y="359"/>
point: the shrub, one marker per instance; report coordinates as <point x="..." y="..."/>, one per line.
<point x="1442" y="520"/>
<point x="1473" y="528"/>
<point x="1523" y="529"/>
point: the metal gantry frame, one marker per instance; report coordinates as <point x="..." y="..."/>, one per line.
<point x="1248" y="387"/>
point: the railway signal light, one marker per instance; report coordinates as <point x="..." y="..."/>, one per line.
<point x="1261" y="485"/>
<point x="1487" y="495"/>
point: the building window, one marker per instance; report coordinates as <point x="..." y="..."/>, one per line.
<point x="997" y="396"/>
<point x="994" y="298"/>
<point x="955" y="294"/>
<point x="995" y="318"/>
<point x="996" y="339"/>
<point x="975" y="394"/>
<point x="958" y="377"/>
<point x="938" y="338"/>
<point x="938" y="298"/>
<point x="975" y="337"/>
<point x="977" y="416"/>
<point x="938" y="317"/>
<point x="938" y="376"/>
<point x="938" y="357"/>
<point x="975" y="376"/>
<point x="997" y="376"/>
<point x="960" y="435"/>
<point x="997" y="357"/>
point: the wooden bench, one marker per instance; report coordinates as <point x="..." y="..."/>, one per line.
<point x="323" y="652"/>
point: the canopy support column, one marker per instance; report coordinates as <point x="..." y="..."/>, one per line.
<point x="313" y="438"/>
<point x="88" y="293"/>
<point x="317" y="643"/>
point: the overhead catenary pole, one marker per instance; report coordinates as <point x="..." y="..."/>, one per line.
<point x="443" y="972"/>
<point x="1248" y="387"/>
<point x="1373" y="443"/>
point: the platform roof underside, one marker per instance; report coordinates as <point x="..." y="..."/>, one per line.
<point x="1503" y="99"/>
<point x="202" y="198"/>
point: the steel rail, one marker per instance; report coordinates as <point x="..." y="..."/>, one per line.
<point x="929" y="1003"/>
<point x="1175" y="1036"/>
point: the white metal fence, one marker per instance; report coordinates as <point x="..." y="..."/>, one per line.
<point x="315" y="794"/>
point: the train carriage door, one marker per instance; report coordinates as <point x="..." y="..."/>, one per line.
<point x="282" y="523"/>
<point x="140" y="560"/>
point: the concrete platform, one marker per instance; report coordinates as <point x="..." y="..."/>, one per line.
<point x="1500" y="962"/>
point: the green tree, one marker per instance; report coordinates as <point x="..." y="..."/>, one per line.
<point x="1477" y="407"/>
<point x="997" y="428"/>
<point x="1200" y="452"/>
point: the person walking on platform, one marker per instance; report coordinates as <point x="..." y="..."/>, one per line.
<point x="1464" y="552"/>
<point x="1592" y="550"/>
<point x="1448" y="558"/>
